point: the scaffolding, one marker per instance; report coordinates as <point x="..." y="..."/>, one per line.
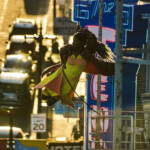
<point x="129" y="130"/>
<point x="124" y="123"/>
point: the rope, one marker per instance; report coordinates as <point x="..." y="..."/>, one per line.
<point x="78" y="94"/>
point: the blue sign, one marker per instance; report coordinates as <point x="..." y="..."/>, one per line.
<point x="66" y="110"/>
<point x="19" y="146"/>
<point x="133" y="25"/>
<point x="130" y="1"/>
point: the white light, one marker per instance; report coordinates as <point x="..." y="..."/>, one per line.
<point x="14" y="77"/>
<point x="61" y="41"/>
<point x="20" y="56"/>
<point x="60" y="138"/>
<point x="81" y="85"/>
<point x="55" y="58"/>
<point x="50" y="36"/>
<point x="11" y="107"/>
<point x="15" y="74"/>
<point x="70" y="39"/>
<point x="19" y="38"/>
<point x="44" y="104"/>
<point x="8" y="128"/>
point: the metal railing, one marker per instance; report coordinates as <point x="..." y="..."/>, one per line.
<point x="133" y="134"/>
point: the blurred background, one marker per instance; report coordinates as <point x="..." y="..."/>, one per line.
<point x="31" y="34"/>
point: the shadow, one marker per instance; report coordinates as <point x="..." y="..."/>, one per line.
<point x="36" y="7"/>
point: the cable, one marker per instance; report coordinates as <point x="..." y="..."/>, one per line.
<point x="77" y="93"/>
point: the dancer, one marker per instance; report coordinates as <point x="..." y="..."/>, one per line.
<point x="76" y="58"/>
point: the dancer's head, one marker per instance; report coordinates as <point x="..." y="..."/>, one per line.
<point x="93" y="45"/>
<point x="79" y="40"/>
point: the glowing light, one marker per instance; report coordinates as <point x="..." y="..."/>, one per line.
<point x="103" y="88"/>
<point x="15" y="74"/>
<point x="14" y="77"/>
<point x="108" y="33"/>
<point x="8" y="128"/>
<point x="61" y="42"/>
<point x="20" y="56"/>
<point x="104" y="79"/>
<point x="55" y="57"/>
<point x="60" y="138"/>
<point x="103" y="122"/>
<point x="44" y="104"/>
<point x="93" y="88"/>
<point x="81" y="85"/>
<point x="11" y="107"/>
<point x="70" y="40"/>
<point x="104" y="97"/>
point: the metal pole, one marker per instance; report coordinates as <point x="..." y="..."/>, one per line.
<point x="40" y="39"/>
<point x="118" y="77"/>
<point x="39" y="64"/>
<point x="148" y="58"/>
<point x="147" y="16"/>
<point x="10" y="131"/>
<point x="85" y="134"/>
<point x="97" y="137"/>
<point x="54" y="9"/>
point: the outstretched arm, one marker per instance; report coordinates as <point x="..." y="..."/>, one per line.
<point x="98" y="66"/>
<point x="50" y="69"/>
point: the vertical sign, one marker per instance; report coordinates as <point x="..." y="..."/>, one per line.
<point x="88" y="17"/>
<point x="38" y="123"/>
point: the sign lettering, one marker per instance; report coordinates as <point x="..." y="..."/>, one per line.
<point x="38" y="123"/>
<point x="76" y="147"/>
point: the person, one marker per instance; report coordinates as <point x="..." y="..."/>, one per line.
<point x="55" y="48"/>
<point x="77" y="57"/>
<point x="75" y="131"/>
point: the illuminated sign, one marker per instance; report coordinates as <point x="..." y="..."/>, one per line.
<point x="108" y="33"/>
<point x="65" y="146"/>
<point x="106" y="90"/>
<point x="93" y="88"/>
<point x="133" y="25"/>
<point x="103" y="122"/>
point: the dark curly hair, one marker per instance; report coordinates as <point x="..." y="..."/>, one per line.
<point x="87" y="42"/>
<point x="93" y="45"/>
<point x="65" y="51"/>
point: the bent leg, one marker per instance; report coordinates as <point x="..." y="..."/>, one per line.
<point x="49" y="99"/>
